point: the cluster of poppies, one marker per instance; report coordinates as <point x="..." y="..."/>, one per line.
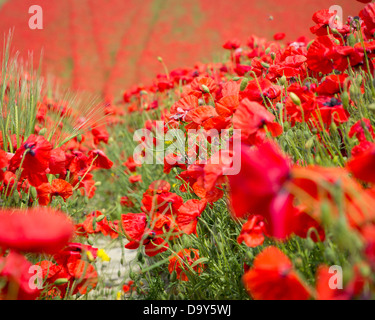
<point x="36" y="169"/>
<point x="321" y="90"/>
<point x="306" y="150"/>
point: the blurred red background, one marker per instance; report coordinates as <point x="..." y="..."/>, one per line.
<point x="108" y="45"/>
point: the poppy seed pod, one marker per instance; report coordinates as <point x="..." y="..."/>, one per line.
<point x="345" y="99"/>
<point x="244" y="83"/>
<point x="351" y="40"/>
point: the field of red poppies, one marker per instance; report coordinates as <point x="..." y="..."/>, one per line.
<point x="247" y="177"/>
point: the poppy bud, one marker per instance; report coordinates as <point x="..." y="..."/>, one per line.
<point x="122" y="261"/>
<point x="359" y="80"/>
<point x="61" y="281"/>
<point x="119" y="273"/>
<point x="296" y="100"/>
<point x="143" y="92"/>
<point x="90" y="242"/>
<point x="100" y="218"/>
<point x="79" y="138"/>
<point x="173" y="275"/>
<point x="16" y="197"/>
<point x="345" y="100"/>
<point x="205" y="89"/>
<point x="244" y="83"/>
<point x="140" y="258"/>
<point x="236" y="78"/>
<point x="42" y="131"/>
<point x="286" y="126"/>
<point x="351" y="40"/>
<point x="365" y="270"/>
<point x="298" y="262"/>
<point x="330" y="254"/>
<point x="355" y="92"/>
<point x="132" y="275"/>
<point x="273" y="56"/>
<point x="310" y="244"/>
<point x="268" y="50"/>
<point x="33" y="192"/>
<point x="309" y="144"/>
<point x="160" y="59"/>
<point x="333" y="127"/>
<point x="326" y="214"/>
<point x="265" y="65"/>
<point x="282" y="80"/>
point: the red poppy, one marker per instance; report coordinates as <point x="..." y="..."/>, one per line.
<point x="178" y="262"/>
<point x="268" y="90"/>
<point x="3" y="163"/>
<point x="264" y="170"/>
<point x="367" y="14"/>
<point x="362" y="165"/>
<point x="38" y="154"/>
<point x="253" y="120"/>
<point x="232" y="44"/>
<point x="131" y="164"/>
<point x="135" y="179"/>
<point x="100" y="159"/>
<point x="273" y="278"/>
<point x="34" y="230"/>
<point x="57" y="162"/>
<point x="321" y="53"/>
<point x="58" y="187"/>
<point x="15" y="269"/>
<point x="188" y="215"/>
<point x="279" y="36"/>
<point x="200" y="86"/>
<point x="253" y="232"/>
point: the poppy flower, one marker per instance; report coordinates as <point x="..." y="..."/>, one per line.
<point x="200" y="85"/>
<point x="126" y="202"/>
<point x="279" y="36"/>
<point x="34" y="230"/>
<point x="272" y="278"/>
<point x="100" y="159"/>
<point x="57" y="162"/>
<point x="232" y="44"/>
<point x="100" y="134"/>
<point x="324" y="19"/>
<point x="253" y="120"/>
<point x="58" y="187"/>
<point x="3" y="163"/>
<point x="131" y="164"/>
<point x="38" y="154"/>
<point x="264" y="170"/>
<point x="320" y="55"/>
<point x="177" y="263"/>
<point x="135" y="179"/>
<point x="367" y="14"/>
<point x="128" y="287"/>
<point x="266" y="87"/>
<point x="188" y="215"/>
<point x="332" y="84"/>
<point x="253" y="232"/>
<point x="14" y="269"/>
<point x="84" y="277"/>
<point x="227" y="105"/>
<point x="362" y="165"/>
